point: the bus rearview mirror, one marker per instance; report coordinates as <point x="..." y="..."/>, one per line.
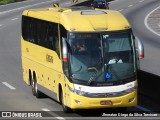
<point x="65" y="49"/>
<point x="140" y="48"/>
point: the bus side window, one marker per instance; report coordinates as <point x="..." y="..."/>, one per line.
<point x="56" y="43"/>
<point x="63" y="33"/>
<point x="27" y="27"/>
<point x="44" y="41"/>
<point x="39" y="32"/>
<point x="42" y="33"/>
<point x="52" y="37"/>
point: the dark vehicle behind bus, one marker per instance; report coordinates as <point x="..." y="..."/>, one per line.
<point x="102" y="4"/>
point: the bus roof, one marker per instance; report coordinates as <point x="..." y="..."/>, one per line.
<point x="82" y="18"/>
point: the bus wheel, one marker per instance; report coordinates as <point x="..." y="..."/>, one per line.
<point x="33" y="87"/>
<point x="35" y="90"/>
<point x="65" y="108"/>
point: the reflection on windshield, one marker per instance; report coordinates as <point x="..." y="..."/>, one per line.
<point x="86" y="55"/>
<point x="118" y="52"/>
<point x="101" y="57"/>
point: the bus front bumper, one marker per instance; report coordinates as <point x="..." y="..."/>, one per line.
<point x="81" y="102"/>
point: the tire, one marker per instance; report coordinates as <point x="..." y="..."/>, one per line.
<point x="33" y="87"/>
<point x="35" y="90"/>
<point x="65" y="108"/>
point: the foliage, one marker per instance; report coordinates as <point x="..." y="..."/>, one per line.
<point x="2" y="2"/>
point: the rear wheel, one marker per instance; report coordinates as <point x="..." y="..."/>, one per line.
<point x="33" y="87"/>
<point x="65" y="108"/>
<point x="35" y="90"/>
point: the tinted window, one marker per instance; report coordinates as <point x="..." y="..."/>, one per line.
<point x="40" y="32"/>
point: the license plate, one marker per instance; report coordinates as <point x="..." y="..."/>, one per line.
<point x="106" y="102"/>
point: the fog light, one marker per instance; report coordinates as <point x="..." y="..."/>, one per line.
<point x="131" y="99"/>
<point x="78" y="102"/>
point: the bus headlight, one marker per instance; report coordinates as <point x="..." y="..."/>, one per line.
<point x="78" y="92"/>
<point x="130" y="90"/>
<point x="82" y="93"/>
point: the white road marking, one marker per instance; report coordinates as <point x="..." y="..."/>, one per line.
<point x="9" y="86"/>
<point x="141" y="1"/>
<point x="60" y="118"/>
<point x="146" y="23"/>
<point x="17" y="2"/>
<point x="114" y="1"/>
<point x="67" y="3"/>
<point x="120" y="10"/>
<point x="130" y="5"/>
<point x="14" y="18"/>
<point x="1" y="26"/>
<point x="143" y="109"/>
<point x="53" y="114"/>
<point x="7" y="11"/>
<point x="45" y="109"/>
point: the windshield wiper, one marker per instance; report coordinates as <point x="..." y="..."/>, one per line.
<point x="92" y="78"/>
<point x="94" y="75"/>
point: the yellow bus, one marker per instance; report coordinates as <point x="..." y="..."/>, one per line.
<point x="82" y="57"/>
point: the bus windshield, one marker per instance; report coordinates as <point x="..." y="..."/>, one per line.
<point x="102" y="58"/>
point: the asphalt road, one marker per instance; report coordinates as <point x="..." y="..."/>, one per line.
<point x="15" y="95"/>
